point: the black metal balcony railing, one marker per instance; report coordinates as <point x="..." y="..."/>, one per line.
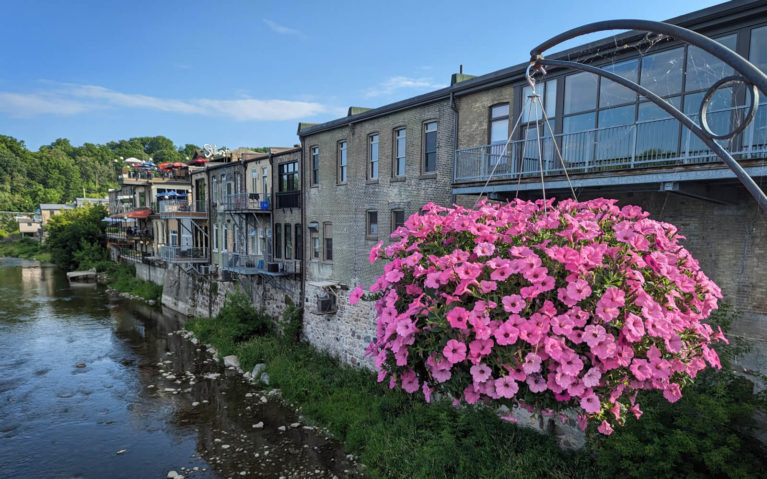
<point x="639" y="145"/>
<point x="128" y="233"/>
<point x="132" y="255"/>
<point x="288" y="199"/>
<point x="246" y="202"/>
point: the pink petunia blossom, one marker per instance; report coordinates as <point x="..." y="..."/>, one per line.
<point x="355" y="295"/>
<point x="480" y="372"/>
<point x="590" y="404"/>
<point x="375" y="251"/>
<point x="454" y="351"/>
<point x="506" y="387"/>
<point x="605" y="428"/>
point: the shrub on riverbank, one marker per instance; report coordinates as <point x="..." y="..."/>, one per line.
<point x="26" y="248"/>
<point x="704" y="434"/>
<point x="122" y="278"/>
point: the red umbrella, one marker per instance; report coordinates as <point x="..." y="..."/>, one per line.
<point x="164" y="166"/>
<point x="198" y="162"/>
<point x="178" y="164"/>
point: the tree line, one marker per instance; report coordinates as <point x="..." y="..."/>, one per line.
<point x="60" y="172"/>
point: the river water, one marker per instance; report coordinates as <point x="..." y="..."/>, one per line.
<point x="93" y="385"/>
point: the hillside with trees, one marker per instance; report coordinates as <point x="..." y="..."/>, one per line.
<point x="60" y="172"/>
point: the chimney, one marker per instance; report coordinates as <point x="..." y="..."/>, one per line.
<point x="460" y="76"/>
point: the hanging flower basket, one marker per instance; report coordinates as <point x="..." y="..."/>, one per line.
<point x="547" y="306"/>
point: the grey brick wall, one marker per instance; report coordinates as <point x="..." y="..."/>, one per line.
<point x="347" y="332"/>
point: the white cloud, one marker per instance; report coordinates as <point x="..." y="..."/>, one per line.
<point x="281" y="29"/>
<point x="68" y="100"/>
<point x="400" y="82"/>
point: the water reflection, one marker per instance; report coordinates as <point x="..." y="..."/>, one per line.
<point x="84" y="376"/>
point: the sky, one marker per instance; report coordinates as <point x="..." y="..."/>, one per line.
<point x="244" y="73"/>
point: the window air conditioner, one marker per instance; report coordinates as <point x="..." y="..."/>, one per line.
<point x="325" y="304"/>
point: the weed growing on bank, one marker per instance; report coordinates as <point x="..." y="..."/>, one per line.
<point x="122" y="278"/>
<point x="707" y="433"/>
<point x="26" y="248"/>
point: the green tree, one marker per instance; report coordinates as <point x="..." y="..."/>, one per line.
<point x="76" y="237"/>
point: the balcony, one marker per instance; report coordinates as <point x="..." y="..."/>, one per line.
<point x="246" y="202"/>
<point x="133" y="256"/>
<point x="183" y="254"/>
<point x="289" y="199"/>
<point x="169" y="209"/>
<point x="256" y="264"/>
<point x="122" y="233"/>
<point x="659" y="148"/>
<point x="242" y="263"/>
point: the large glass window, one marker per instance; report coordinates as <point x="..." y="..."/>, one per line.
<point x="400" y="144"/>
<point x="580" y="92"/>
<point x="611" y="93"/>
<point x="757" y="53"/>
<point x="703" y="69"/>
<point x="342" y="162"/>
<point x="288" y="176"/>
<point x="430" y="147"/>
<point x="373" y="156"/>
<point x="499" y="124"/>
<point x="315" y="165"/>
<point x="548" y="92"/>
<point x="265" y="178"/>
<point x="662" y="72"/>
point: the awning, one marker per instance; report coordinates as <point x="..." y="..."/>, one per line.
<point x="141" y="214"/>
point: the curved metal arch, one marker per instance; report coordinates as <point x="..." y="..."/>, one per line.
<point x="750" y="75"/>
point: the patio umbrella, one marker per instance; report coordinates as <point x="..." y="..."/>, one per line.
<point x="134" y="161"/>
<point x="148" y="165"/>
<point x="178" y="164"/>
<point x="198" y="162"/>
<point x="164" y="166"/>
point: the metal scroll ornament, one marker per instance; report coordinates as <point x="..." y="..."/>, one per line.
<point x="746" y="73"/>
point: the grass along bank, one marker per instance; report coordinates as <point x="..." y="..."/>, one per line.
<point x="399" y="435"/>
<point x="122" y="278"/>
<point x="26" y="248"/>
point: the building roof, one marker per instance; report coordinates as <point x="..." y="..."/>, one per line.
<point x="54" y="206"/>
<point x="708" y="17"/>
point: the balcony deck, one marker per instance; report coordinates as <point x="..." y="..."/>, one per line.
<point x="246" y="203"/>
<point x="256" y="264"/>
<point x="172" y="209"/>
<point x="183" y="254"/>
<point x="636" y="154"/>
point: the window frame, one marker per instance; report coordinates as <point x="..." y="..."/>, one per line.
<point x="424" y="146"/>
<point x="374" y="156"/>
<point x="277" y="240"/>
<point x="342" y="162"/>
<point x="396" y="153"/>
<point x="371" y="215"/>
<point x="394" y="211"/>
<point x="327" y="248"/>
<point x="315" y="165"/>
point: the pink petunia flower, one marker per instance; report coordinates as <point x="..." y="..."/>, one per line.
<point x="605" y="428"/>
<point x="506" y="387"/>
<point x="480" y="373"/>
<point x="355" y="295"/>
<point x="454" y="351"/>
<point x="375" y="251"/>
<point x="591" y="404"/>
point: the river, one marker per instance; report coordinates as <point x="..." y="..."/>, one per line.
<point x="96" y="386"/>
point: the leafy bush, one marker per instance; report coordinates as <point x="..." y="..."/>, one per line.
<point x="292" y="322"/>
<point x="237" y="322"/>
<point x="76" y="237"/>
<point x="549" y="306"/>
<point x="26" y="248"/>
<point x="122" y="277"/>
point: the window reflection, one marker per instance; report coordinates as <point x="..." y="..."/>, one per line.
<point x="580" y="92"/>
<point x="611" y="93"/>
<point x="662" y="72"/>
<point x="704" y="69"/>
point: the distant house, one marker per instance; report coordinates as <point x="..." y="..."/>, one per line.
<point x="30" y="226"/>
<point x="80" y="202"/>
<point x="48" y="210"/>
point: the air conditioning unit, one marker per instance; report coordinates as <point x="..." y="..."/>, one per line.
<point x="253" y="196"/>
<point x="205" y="270"/>
<point x="326" y="304"/>
<point x="273" y="267"/>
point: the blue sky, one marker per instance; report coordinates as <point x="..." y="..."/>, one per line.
<point x="244" y="73"/>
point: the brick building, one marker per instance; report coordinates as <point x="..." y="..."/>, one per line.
<point x="362" y="176"/>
